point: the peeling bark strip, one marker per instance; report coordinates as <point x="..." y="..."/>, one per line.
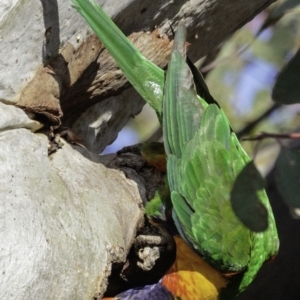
<point x="76" y="79"/>
<point x="42" y="95"/>
<point x="106" y="79"/>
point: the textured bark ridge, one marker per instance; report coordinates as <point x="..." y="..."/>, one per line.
<point x="44" y="92"/>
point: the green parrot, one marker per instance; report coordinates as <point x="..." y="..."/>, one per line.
<point x="204" y="156"/>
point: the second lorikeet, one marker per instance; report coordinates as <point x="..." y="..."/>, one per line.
<point x="183" y="279"/>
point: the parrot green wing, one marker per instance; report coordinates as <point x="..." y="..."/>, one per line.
<point x="203" y="160"/>
<point x="146" y="77"/>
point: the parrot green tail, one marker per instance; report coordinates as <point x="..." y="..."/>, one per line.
<point x="146" y="77"/>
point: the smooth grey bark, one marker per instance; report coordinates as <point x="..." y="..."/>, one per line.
<point x="64" y="220"/>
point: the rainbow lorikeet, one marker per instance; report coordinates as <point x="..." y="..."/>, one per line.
<point x="182" y="280"/>
<point x="204" y="159"/>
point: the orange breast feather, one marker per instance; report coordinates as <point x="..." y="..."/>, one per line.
<point x="191" y="278"/>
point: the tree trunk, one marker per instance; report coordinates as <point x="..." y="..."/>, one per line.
<point x="65" y="217"/>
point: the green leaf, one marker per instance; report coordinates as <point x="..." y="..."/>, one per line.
<point x="245" y="199"/>
<point x="288" y="176"/>
<point x="154" y="208"/>
<point x="287" y="85"/>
